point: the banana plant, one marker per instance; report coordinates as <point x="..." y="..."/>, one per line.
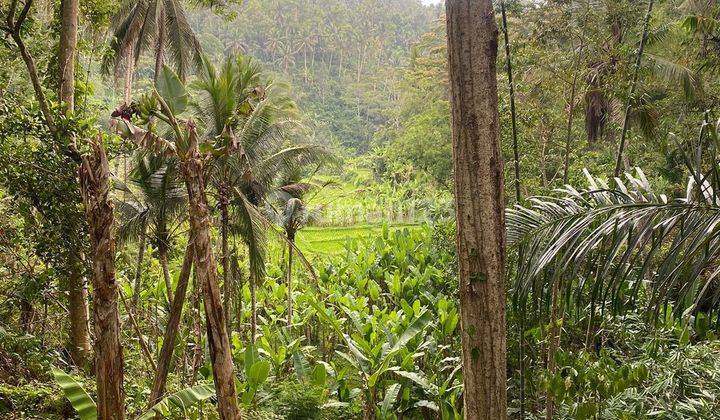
<point x="375" y="358"/>
<point x="256" y="373"/>
<point x="279" y="349"/>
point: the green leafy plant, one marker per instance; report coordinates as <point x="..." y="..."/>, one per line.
<point x="76" y="394"/>
<point x="87" y="409"/>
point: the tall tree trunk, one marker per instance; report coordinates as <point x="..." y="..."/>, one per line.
<point x="224" y="201"/>
<point x="511" y="87"/>
<point x="78" y="312"/>
<point x="631" y="93"/>
<point x="163" y="366"/>
<point x="129" y="70"/>
<point x="77" y="294"/>
<point x="163" y="256"/>
<point x="27" y="315"/>
<point x="253" y="308"/>
<point x="138" y="268"/>
<point x="197" y="330"/>
<point x="480" y="204"/>
<point x="159" y="47"/>
<point x="568" y="136"/>
<point x="206" y="269"/>
<point x="95" y="187"/>
<point x="553" y="343"/>
<point x="239" y="285"/>
<point x="291" y="238"/>
<point x="67" y="51"/>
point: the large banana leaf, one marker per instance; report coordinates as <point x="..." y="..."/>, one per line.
<point x="416" y="326"/>
<point x="182" y="399"/>
<point x="172" y="90"/>
<point x="79" y="398"/>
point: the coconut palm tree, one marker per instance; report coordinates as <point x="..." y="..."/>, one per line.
<point x="156" y="25"/>
<point x="250" y="123"/>
<point x="152" y="206"/>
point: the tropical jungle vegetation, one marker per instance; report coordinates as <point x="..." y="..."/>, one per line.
<point x="360" y="209"/>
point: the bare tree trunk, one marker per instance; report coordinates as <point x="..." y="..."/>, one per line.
<point x="138" y="269"/>
<point x="129" y="70"/>
<point x="206" y="269"/>
<point x="568" y="137"/>
<point x="27" y="315"/>
<point x="197" y="330"/>
<point x="159" y="47"/>
<point x="95" y="187"/>
<point x="511" y="87"/>
<point x="253" y="308"/>
<point x="224" y="223"/>
<point x="631" y="93"/>
<point x="289" y="281"/>
<point x="552" y="346"/>
<point x="78" y="313"/>
<point x="171" y="330"/>
<point x="480" y="204"/>
<point x="141" y="340"/>
<point x="239" y="284"/>
<point x="163" y="254"/>
<point x="67" y="51"/>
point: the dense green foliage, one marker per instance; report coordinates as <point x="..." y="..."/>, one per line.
<point x="324" y="130"/>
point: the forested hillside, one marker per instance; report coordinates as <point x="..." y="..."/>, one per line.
<point x="346" y="58"/>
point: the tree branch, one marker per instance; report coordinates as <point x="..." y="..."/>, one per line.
<point x="30" y="62"/>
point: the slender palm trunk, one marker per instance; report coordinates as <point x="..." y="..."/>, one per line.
<point x="79" y="331"/>
<point x="159" y="47"/>
<point x="239" y="284"/>
<point x="163" y="366"/>
<point x="253" y="308"/>
<point x="95" y="187"/>
<point x="139" y="267"/>
<point x="291" y="238"/>
<point x="552" y="346"/>
<point x="67" y="51"/>
<point x="511" y="87"/>
<point x="141" y="340"/>
<point x="568" y="137"/>
<point x="163" y="256"/>
<point x="206" y="269"/>
<point x="479" y="201"/>
<point x="224" y="224"/>
<point x="631" y="93"/>
<point x="129" y="70"/>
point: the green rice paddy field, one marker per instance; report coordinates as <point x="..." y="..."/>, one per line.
<point x="327" y="241"/>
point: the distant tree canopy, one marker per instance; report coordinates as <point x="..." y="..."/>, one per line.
<point x="345" y="57"/>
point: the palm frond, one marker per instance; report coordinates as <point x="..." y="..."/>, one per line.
<point x="675" y="73"/>
<point x="608" y="246"/>
<point x="283" y="162"/>
<point x="247" y="221"/>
